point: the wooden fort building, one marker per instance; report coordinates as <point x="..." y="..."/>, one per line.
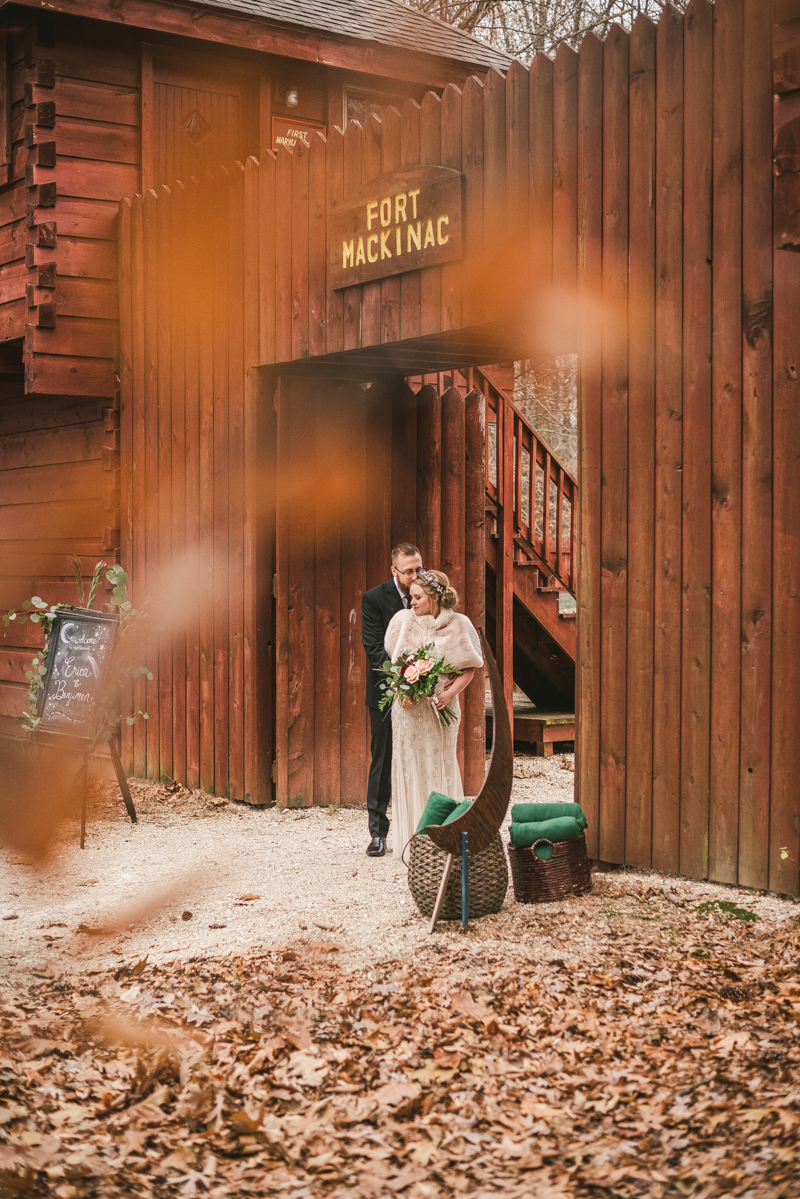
<point x="255" y="261"/>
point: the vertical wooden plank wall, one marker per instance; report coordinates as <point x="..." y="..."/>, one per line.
<point x="696" y="525"/>
<point x="194" y="539"/>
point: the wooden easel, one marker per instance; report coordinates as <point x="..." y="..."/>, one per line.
<point x="121" y="779"/>
<point x="83" y="779"/>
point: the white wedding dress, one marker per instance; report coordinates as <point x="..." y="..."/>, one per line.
<point x="423" y="749"/>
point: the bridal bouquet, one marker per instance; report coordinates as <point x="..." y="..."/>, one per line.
<point x="414" y="676"/>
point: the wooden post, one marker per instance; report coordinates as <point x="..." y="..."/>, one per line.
<point x="668" y="410"/>
<point x="696" y="458"/>
<point x="757" y="494"/>
<point x="453" y="496"/>
<point x="614" y="423"/>
<point x="147" y="99"/>
<point x="641" y="445"/>
<point x="429" y="476"/>
<point x="587" y="521"/>
<point x="504" y="603"/>
<point x="474" y="718"/>
<point x="453" y="500"/>
<point x="726" y="444"/>
<point x="281" y="593"/>
<point x="404" y="466"/>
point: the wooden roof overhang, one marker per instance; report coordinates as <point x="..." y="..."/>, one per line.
<point x="441" y="352"/>
<point x="220" y="29"/>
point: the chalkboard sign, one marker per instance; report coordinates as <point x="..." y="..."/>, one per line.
<point x="79" y="654"/>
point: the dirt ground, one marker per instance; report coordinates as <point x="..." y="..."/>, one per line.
<point x="226" y="1002"/>
<point x="197" y="875"/>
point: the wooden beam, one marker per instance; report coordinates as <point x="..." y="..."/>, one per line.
<point x="756" y="344"/>
<point x="696" y="459"/>
<point x="614" y="424"/>
<point x="641" y="445"/>
<point x="475" y="582"/>
<point x="146" y="117"/>
<point x="726" y="440"/>
<point x="669" y="410"/>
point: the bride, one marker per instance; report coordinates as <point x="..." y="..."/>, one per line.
<point x="424" y="750"/>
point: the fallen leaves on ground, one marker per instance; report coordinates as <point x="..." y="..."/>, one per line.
<point x="660" y="1062"/>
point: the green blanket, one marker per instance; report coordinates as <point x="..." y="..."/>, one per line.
<point x="527" y="813"/>
<point x="563" y="828"/>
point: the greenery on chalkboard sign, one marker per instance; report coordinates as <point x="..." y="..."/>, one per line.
<point x="37" y="611"/>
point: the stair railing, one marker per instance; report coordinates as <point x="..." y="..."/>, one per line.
<point x="531" y="505"/>
<point x="544" y="494"/>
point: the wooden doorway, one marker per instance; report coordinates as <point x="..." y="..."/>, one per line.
<point x="197" y="111"/>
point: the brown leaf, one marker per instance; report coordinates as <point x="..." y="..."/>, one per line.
<point x="462" y="1001"/>
<point x="306" y="1068"/>
<point x="393" y="1093"/>
<point x="243" y="1124"/>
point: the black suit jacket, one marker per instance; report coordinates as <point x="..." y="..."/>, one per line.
<point x="378" y="606"/>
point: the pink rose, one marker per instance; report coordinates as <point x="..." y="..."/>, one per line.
<point x="411" y="674"/>
<point x="425" y="665"/>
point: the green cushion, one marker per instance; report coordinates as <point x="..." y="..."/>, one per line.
<point x="563" y="828"/>
<point x="527" y="813"/>
<point x="459" y="810"/>
<point x="437" y="809"/>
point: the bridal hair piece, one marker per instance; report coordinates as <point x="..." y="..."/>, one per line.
<point x="437" y="586"/>
<point x="428" y="578"/>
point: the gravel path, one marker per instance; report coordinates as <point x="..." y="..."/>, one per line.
<point x="205" y="877"/>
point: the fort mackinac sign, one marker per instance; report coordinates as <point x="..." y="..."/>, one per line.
<point x="398" y="222"/>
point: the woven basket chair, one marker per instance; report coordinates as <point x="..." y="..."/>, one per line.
<point x="566" y="873"/>
<point x="481" y="823"/>
<point x="488" y="879"/>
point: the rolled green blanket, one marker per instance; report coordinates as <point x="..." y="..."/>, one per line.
<point x="528" y="813"/>
<point x="563" y="828"/>
<point x="437" y="809"/>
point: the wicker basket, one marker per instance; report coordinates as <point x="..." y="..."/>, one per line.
<point x="488" y="879"/>
<point x="565" y="873"/>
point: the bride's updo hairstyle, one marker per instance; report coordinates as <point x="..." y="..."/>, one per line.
<point x="436" y="586"/>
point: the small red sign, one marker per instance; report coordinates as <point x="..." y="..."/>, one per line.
<point x="287" y="132"/>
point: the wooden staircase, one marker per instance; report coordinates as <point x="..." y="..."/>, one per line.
<point x="531" y="554"/>
<point x="531" y="548"/>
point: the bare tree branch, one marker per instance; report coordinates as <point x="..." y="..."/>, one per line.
<point x="526" y="27"/>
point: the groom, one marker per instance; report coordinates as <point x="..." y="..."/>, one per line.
<point x="378" y="606"/>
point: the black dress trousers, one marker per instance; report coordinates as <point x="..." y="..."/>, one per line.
<point x="379" y="785"/>
<point x="378" y="606"/>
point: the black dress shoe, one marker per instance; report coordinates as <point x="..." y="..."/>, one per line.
<point x="376" y="847"/>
